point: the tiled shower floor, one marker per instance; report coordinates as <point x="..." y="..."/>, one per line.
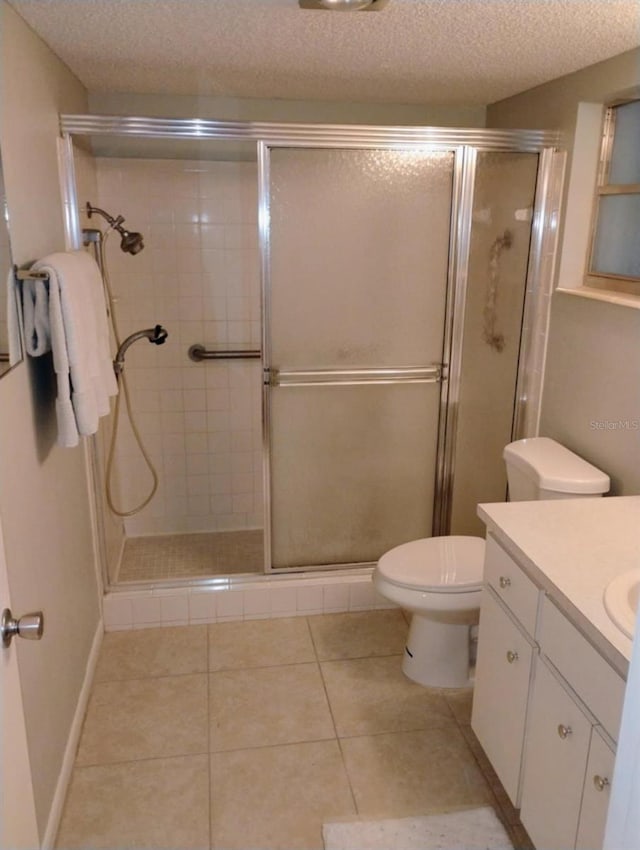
<point x="252" y="734"/>
<point x="191" y="555"/>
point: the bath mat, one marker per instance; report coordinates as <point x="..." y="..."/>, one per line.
<point x="473" y="829"/>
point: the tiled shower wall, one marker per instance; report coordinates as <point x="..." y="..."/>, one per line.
<point x="198" y="275"/>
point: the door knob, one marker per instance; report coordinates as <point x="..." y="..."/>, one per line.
<point x="600" y="782"/>
<point x="29" y="626"/>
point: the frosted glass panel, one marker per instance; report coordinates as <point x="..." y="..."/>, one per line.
<point x="500" y="237"/>
<point x="353" y="471"/>
<point x="359" y="252"/>
<point x="625" y="155"/>
<point x="359" y="244"/>
<point x="616" y="249"/>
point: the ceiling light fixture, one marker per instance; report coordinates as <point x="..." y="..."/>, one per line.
<point x="343" y="5"/>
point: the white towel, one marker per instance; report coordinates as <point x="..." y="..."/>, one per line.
<point x="35" y="308"/>
<point x="67" y="316"/>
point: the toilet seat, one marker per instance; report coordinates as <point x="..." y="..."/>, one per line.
<point x="451" y="564"/>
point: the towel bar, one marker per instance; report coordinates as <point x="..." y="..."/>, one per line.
<point x="25" y="274"/>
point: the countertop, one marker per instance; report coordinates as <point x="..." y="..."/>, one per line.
<point x="572" y="548"/>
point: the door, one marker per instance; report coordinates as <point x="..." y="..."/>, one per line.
<point x="355" y="271"/>
<point x="18" y="827"/>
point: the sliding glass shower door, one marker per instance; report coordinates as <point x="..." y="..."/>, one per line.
<point x="355" y="269"/>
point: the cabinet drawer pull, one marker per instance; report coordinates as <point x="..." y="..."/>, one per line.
<point x="512" y="656"/>
<point x="600" y="782"/>
<point x="564" y="731"/>
<point x="505" y="581"/>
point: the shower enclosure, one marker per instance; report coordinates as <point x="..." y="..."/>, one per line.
<point x="369" y="302"/>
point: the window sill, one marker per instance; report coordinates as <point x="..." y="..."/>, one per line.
<point x="622" y="299"/>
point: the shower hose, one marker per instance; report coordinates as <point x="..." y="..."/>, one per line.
<point x="122" y="381"/>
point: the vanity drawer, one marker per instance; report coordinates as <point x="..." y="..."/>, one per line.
<point x="591" y="677"/>
<point x="516" y="590"/>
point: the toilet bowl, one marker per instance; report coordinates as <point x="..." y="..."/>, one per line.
<point x="438" y="579"/>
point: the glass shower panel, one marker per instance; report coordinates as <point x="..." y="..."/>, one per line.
<point x="359" y="243"/>
<point x="354" y="470"/>
<point x="499" y="255"/>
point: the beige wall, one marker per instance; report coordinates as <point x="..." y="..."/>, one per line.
<point x="593" y="367"/>
<point x="43" y="489"/>
<point x="314" y="112"/>
<point x="554" y="105"/>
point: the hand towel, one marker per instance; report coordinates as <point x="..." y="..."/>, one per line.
<point x="77" y="333"/>
<point x="35" y="309"/>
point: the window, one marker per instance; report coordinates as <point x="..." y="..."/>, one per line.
<point x="615" y="247"/>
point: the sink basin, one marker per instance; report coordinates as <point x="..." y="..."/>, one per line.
<point x="621" y="600"/>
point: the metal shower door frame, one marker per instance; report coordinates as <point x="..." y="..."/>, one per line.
<point x="464" y="142"/>
<point x="447" y="372"/>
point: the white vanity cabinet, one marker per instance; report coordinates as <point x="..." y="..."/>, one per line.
<point x="504" y="666"/>
<point x="569" y="752"/>
<point x="595" y="797"/>
<point x="556" y="753"/>
<point x="546" y="709"/>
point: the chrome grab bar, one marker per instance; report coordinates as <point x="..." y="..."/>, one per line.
<point x="198" y="353"/>
<point x="354" y="377"/>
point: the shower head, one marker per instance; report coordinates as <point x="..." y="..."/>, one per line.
<point x="131" y="242"/>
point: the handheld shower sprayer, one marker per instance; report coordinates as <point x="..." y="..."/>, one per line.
<point x="131" y="242"/>
<point x="157" y="335"/>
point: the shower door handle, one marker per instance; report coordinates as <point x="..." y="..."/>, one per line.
<point x="431" y="374"/>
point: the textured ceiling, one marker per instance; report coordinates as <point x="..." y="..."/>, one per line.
<point x="454" y="52"/>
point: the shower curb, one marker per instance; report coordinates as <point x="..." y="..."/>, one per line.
<point x="245" y="598"/>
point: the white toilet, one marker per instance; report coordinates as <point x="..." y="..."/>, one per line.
<point x="439" y="579"/>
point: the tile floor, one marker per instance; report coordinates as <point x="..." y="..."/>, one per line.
<point x="192" y="555"/>
<point x="251" y="734"/>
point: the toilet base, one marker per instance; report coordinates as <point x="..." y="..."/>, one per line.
<point x="437" y="653"/>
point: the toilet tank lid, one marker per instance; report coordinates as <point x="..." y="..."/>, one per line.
<point x="553" y="467"/>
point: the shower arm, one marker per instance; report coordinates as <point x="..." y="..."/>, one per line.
<point x="111" y="221"/>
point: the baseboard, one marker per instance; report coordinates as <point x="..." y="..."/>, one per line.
<point x="57" y="805"/>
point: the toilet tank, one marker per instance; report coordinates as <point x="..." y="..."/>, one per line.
<point x="540" y="468"/>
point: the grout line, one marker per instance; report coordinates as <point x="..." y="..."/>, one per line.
<point x="121" y="762"/>
<point x="150" y="678"/>
<point x="209" y="771"/>
<point x="266" y="667"/>
<point x="273" y="746"/>
<point x="361" y="658"/>
<point x="445" y="727"/>
<point x="333" y="720"/>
